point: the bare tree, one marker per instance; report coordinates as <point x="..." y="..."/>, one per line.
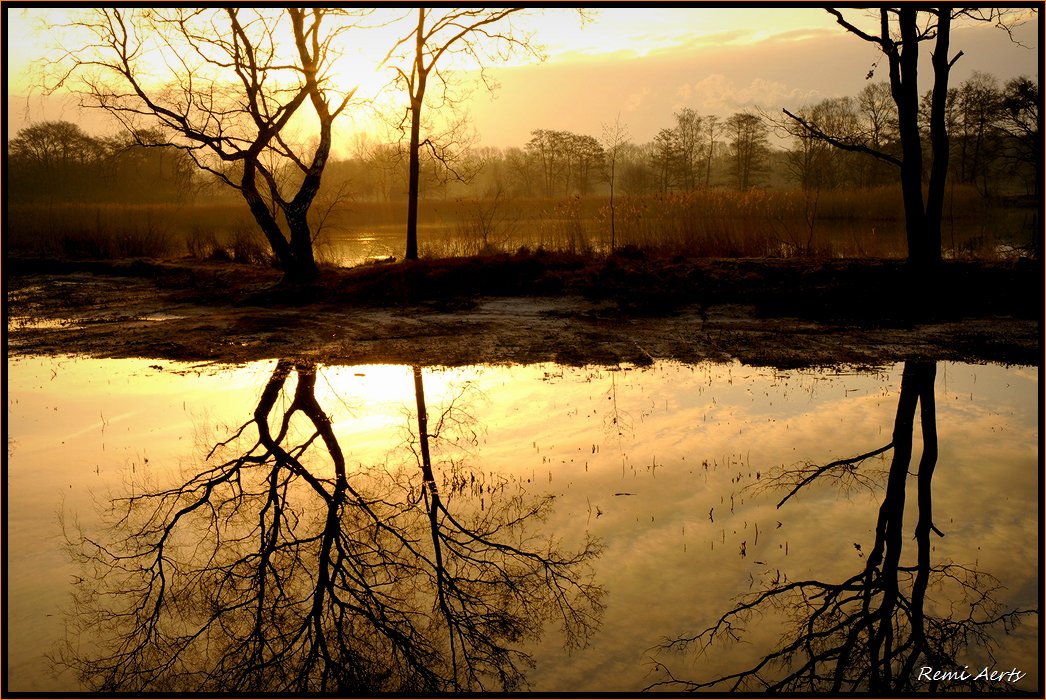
<point x="748" y="146"/>
<point x="50" y="157"/>
<point x="382" y="166"/>
<point x="567" y="160"/>
<point x="972" y="111"/>
<point x="688" y="129"/>
<point x="521" y="171"/>
<point x="228" y="85"/>
<point x="547" y="149"/>
<point x="586" y="160"/>
<point x="58" y="162"/>
<point x="470" y="559"/>
<point x="870" y="631"/>
<point x="615" y="136"/>
<point x="815" y="164"/>
<point x="877" y="116"/>
<point x="902" y="32"/>
<point x="663" y="156"/>
<point x="1021" y="124"/>
<point x="712" y="122"/>
<point x="277" y="568"/>
<point x="479" y="34"/>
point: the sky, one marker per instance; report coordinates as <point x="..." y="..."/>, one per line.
<point x="645" y="65"/>
<point x="635" y="65"/>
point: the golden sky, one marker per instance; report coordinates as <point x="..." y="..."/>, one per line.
<point x="640" y="63"/>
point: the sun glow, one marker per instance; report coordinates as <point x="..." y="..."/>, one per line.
<point x="643" y="63"/>
<point x="374" y="407"/>
<point x="600" y="33"/>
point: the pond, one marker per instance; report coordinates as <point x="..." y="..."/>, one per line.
<point x="280" y="526"/>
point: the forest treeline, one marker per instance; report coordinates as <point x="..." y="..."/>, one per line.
<point x="993" y="128"/>
<point x="57" y="161"/>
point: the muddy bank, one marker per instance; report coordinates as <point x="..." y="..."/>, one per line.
<point x="525" y="309"/>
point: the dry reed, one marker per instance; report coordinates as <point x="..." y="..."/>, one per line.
<point x="702" y="223"/>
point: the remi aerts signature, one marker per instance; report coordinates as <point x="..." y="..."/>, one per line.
<point x="929" y="673"/>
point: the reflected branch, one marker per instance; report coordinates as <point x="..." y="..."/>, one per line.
<point x="471" y="562"/>
<point x="275" y="570"/>
<point x="869" y="632"/>
<point x="810" y="473"/>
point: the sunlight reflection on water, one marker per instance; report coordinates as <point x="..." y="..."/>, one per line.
<point x="664" y="464"/>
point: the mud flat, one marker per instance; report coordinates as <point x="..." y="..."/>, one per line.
<point x="532" y="308"/>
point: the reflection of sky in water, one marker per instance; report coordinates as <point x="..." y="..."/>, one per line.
<point x="639" y="458"/>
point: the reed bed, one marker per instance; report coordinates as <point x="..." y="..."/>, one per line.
<point x="702" y="223"/>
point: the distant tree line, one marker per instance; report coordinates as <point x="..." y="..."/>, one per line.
<point x="57" y="160"/>
<point x="993" y="136"/>
<point x="993" y="129"/>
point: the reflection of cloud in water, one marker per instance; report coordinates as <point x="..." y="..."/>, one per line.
<point x="810" y="419"/>
<point x="667" y="565"/>
<point x="269" y="567"/>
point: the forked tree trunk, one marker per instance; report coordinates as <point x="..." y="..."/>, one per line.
<point x="295" y="256"/>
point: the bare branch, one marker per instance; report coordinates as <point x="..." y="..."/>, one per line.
<point x="839" y="143"/>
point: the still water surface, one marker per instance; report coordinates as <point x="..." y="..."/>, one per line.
<point x="669" y="468"/>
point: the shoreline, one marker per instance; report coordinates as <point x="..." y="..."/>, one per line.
<point x="460" y="312"/>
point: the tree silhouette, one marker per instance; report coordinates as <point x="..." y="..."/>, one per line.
<point x="814" y="163"/>
<point x="871" y="632"/>
<point x="688" y="131"/>
<point x="226" y="85"/>
<point x="1021" y="117"/>
<point x="615" y="138"/>
<point x="748" y="146"/>
<point x="477" y="33"/>
<point x="274" y="569"/>
<point x="902" y="32"/>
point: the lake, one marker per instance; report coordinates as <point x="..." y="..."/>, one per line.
<point x="252" y="525"/>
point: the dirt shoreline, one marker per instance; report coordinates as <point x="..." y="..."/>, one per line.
<point x="225" y="313"/>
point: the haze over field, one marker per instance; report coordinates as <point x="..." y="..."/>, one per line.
<point x="639" y="64"/>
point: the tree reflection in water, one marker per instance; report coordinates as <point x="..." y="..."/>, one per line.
<point x="276" y="570"/>
<point x="874" y="631"/>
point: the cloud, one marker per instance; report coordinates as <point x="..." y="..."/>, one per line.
<point x="635" y="100"/>
<point x="717" y="93"/>
<point x="805" y="34"/>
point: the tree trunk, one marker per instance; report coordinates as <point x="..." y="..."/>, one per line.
<point x="905" y="88"/>
<point x="414" y="177"/>
<point x="295" y="258"/>
<point x="613" y="229"/>
<point x="938" y="139"/>
<point x="302" y="268"/>
<point x="417" y="101"/>
<point x="889" y="536"/>
<point x="423" y="425"/>
<point x="924" y="374"/>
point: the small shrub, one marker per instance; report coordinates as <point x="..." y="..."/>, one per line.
<point x="219" y="254"/>
<point x="201" y="243"/>
<point x="248" y="246"/>
<point x="150" y="241"/>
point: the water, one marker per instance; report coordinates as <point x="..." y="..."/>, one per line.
<point x="349" y="248"/>
<point x="668" y="467"/>
<point x="471" y="228"/>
